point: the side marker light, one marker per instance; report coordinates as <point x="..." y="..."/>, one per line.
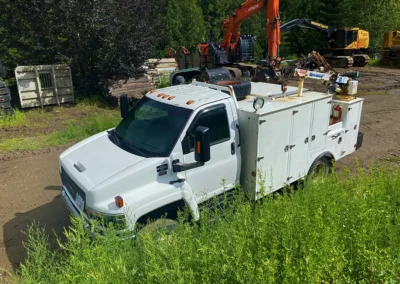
<point x="119" y="201"/>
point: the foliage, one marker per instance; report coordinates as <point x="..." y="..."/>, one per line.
<point x="101" y="39"/>
<point x="18" y="119"/>
<point x="184" y="25"/>
<point x="341" y="230"/>
<point x="163" y="82"/>
<point x="105" y="39"/>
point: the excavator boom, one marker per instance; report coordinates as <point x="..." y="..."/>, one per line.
<point x="249" y="8"/>
<point x="307" y="24"/>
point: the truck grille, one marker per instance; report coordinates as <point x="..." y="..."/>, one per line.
<point x="71" y="186"/>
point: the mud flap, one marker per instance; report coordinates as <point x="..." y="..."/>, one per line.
<point x="360" y="138"/>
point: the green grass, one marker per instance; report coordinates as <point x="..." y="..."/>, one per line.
<point x="375" y="62"/>
<point x="75" y="130"/>
<point x="345" y="229"/>
<point x="19" y="119"/>
<point x="378" y="62"/>
<point x="163" y="82"/>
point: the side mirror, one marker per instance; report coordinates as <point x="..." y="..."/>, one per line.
<point x="124" y="105"/>
<point x="202" y="144"/>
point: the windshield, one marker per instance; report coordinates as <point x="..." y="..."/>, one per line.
<point x="151" y="128"/>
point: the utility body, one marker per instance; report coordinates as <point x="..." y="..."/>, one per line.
<point x="186" y="144"/>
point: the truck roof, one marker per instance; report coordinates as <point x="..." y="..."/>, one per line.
<point x="187" y="96"/>
<point x="197" y="94"/>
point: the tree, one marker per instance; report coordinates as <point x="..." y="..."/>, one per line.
<point x="100" y="39"/>
<point x="183" y="25"/>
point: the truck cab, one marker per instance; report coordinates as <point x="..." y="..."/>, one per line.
<point x="184" y="144"/>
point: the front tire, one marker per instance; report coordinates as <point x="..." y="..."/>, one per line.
<point x="159" y="226"/>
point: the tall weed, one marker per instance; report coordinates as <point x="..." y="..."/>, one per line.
<point x="345" y="229"/>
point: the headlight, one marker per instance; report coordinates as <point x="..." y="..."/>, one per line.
<point x="117" y="221"/>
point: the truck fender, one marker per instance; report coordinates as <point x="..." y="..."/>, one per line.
<point x="170" y="209"/>
<point x="188" y="197"/>
<point x="326" y="154"/>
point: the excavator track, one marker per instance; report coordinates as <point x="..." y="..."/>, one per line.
<point x="339" y="61"/>
<point x="360" y="60"/>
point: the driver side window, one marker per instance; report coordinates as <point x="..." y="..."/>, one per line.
<point x="216" y="120"/>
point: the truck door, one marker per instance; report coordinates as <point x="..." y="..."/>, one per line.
<point x="352" y="125"/>
<point x="298" y="148"/>
<point x="220" y="173"/>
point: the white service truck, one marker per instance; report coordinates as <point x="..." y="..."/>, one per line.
<point x="185" y="144"/>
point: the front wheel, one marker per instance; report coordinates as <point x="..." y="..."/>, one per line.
<point x="158" y="226"/>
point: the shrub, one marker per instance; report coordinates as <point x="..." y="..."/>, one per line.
<point x="344" y="229"/>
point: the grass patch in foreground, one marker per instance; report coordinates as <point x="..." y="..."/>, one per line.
<point x="75" y="131"/>
<point x="341" y="230"/>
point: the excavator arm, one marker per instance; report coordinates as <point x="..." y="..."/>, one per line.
<point x="307" y="24"/>
<point x="249" y="8"/>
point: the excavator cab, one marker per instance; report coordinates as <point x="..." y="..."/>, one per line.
<point x="345" y="38"/>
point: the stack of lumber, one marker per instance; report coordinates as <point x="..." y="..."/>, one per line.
<point x="157" y="68"/>
<point x="135" y="88"/>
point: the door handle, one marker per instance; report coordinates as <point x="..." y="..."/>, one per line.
<point x="233" y="148"/>
<point x="238" y="129"/>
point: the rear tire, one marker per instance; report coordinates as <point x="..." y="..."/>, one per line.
<point x="241" y="88"/>
<point x="321" y="168"/>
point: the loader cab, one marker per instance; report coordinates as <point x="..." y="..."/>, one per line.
<point x="345" y="38"/>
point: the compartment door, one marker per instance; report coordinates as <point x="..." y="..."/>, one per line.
<point x="352" y="126"/>
<point x="320" y="123"/>
<point x="272" y="158"/>
<point x="299" y="142"/>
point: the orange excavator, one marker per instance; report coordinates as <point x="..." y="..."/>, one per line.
<point x="236" y="49"/>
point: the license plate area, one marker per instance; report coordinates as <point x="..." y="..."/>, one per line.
<point x="80" y="202"/>
<point x="74" y="190"/>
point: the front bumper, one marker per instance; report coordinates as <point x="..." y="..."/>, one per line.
<point x="73" y="208"/>
<point x="87" y="224"/>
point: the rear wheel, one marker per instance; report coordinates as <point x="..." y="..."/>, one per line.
<point x="321" y="168"/>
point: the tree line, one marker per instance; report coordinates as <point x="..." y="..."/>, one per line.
<point x="106" y="39"/>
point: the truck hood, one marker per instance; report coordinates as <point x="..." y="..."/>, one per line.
<point x="96" y="159"/>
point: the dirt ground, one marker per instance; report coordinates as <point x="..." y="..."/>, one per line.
<point x="30" y="184"/>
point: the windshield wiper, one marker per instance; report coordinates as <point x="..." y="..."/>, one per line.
<point x="115" y="136"/>
<point x="134" y="148"/>
<point x="121" y="141"/>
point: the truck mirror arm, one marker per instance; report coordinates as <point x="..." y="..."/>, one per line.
<point x="181" y="167"/>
